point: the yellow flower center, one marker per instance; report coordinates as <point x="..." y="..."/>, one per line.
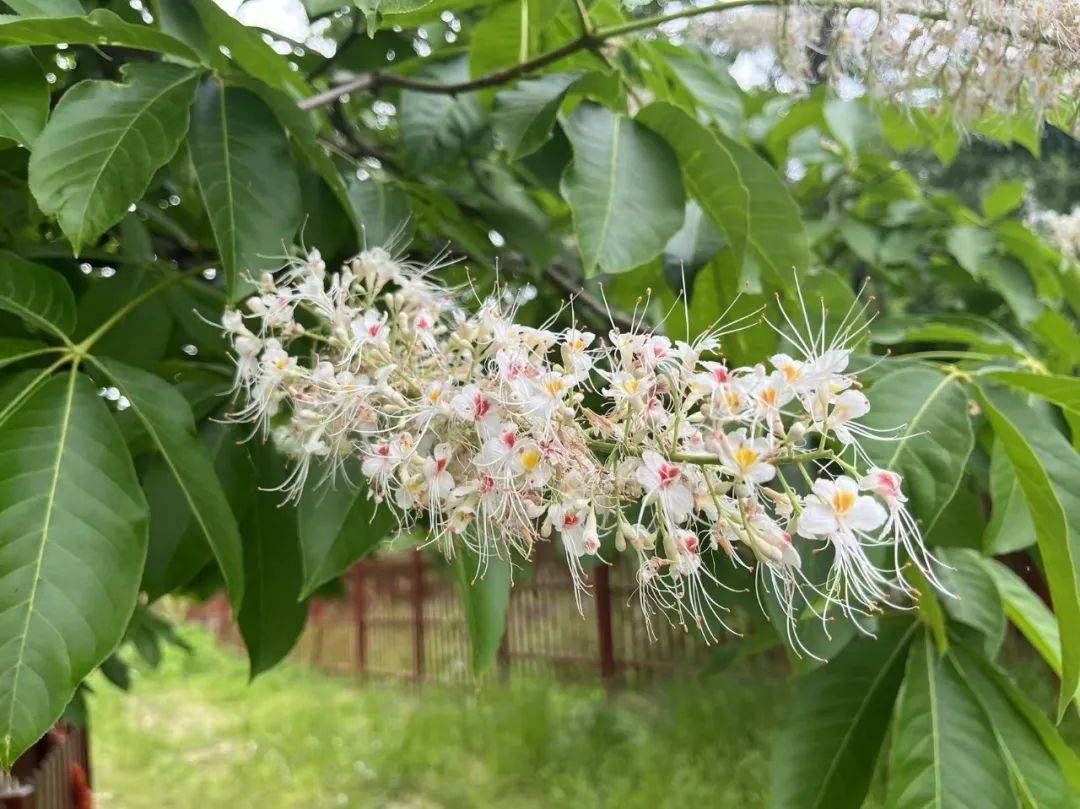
<point x="791" y="372"/>
<point x="630" y="386"/>
<point x="842" y="502"/>
<point x="554" y="387"/>
<point x="530" y="459"/>
<point x="745" y="457"/>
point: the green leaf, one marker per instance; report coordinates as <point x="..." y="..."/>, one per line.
<point x="977" y="603"/>
<point x="24" y="96"/>
<point x="16" y="349"/>
<point x="1028" y="613"/>
<point x="178" y="548"/>
<point x="624" y="190"/>
<point x="1064" y="391"/>
<point x="271" y="617"/>
<point x="99" y="27"/>
<point x="931" y="447"/>
<point x="168" y="420"/>
<point x="981" y="334"/>
<point x="777" y="236"/>
<point x="382" y="210"/>
<point x="103" y="144"/>
<point x="719" y="285"/>
<point x="46" y="8"/>
<point x="142" y="337"/>
<point x="508" y="33"/>
<point x="375" y="10"/>
<point x="37" y="294"/>
<point x="1048" y="470"/>
<point x="931" y="612"/>
<point x="970" y="246"/>
<point x="246" y="178"/>
<point x="826" y="753"/>
<point x="338" y="525"/>
<point x="1037" y="778"/>
<point x="525" y="114"/>
<point x="853" y="123"/>
<point x="485" y="588"/>
<point x="246" y="47"/>
<point x="943" y="753"/>
<point x="302" y="131"/>
<point x="1003" y="199"/>
<point x="707" y="79"/>
<point x="436" y="129"/>
<point x="72" y="543"/>
<point x="709" y="172"/>
<point x="1010" y="527"/>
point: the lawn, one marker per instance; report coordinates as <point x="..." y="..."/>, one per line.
<point x="195" y="733"/>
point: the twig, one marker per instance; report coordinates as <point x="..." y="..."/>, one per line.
<point x="376" y="79"/>
<point x="578" y="294"/>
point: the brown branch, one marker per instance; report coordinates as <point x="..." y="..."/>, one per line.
<point x="577" y="294"/>
<point x="375" y="79"/>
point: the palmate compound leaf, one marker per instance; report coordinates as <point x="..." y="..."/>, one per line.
<point x="72" y="542"/>
<point x="39" y="295"/>
<point x="624" y="190"/>
<point x="167" y="418"/>
<point x="1048" y="471"/>
<point x="825" y="756"/>
<point x="246" y="178"/>
<point x="944" y="754"/>
<point x="103" y="144"/>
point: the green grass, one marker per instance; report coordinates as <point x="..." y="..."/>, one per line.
<point x="195" y="733"/>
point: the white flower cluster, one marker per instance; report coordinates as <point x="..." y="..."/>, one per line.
<point x="484" y="432"/>
<point x="1063" y="230"/>
<point x="975" y="56"/>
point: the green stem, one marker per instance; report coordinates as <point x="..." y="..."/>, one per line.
<point x="17" y="400"/>
<point x="704" y="459"/>
<point x="84" y="347"/>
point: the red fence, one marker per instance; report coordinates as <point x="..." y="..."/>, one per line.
<point x="403" y="617"/>
<point x="53" y="774"/>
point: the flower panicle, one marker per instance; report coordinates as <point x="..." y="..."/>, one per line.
<point x="486" y="433"/>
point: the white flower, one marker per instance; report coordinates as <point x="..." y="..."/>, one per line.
<point x="744" y="457"/>
<point x="848" y="406"/>
<point x="665" y="482"/>
<point x="575" y="353"/>
<point x="545" y="395"/>
<point x="472" y="404"/>
<point x="836" y="509"/>
<point x="440" y="482"/>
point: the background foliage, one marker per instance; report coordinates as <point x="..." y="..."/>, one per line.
<point x="154" y="158"/>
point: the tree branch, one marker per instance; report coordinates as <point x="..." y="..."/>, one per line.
<point x="375" y="79"/>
